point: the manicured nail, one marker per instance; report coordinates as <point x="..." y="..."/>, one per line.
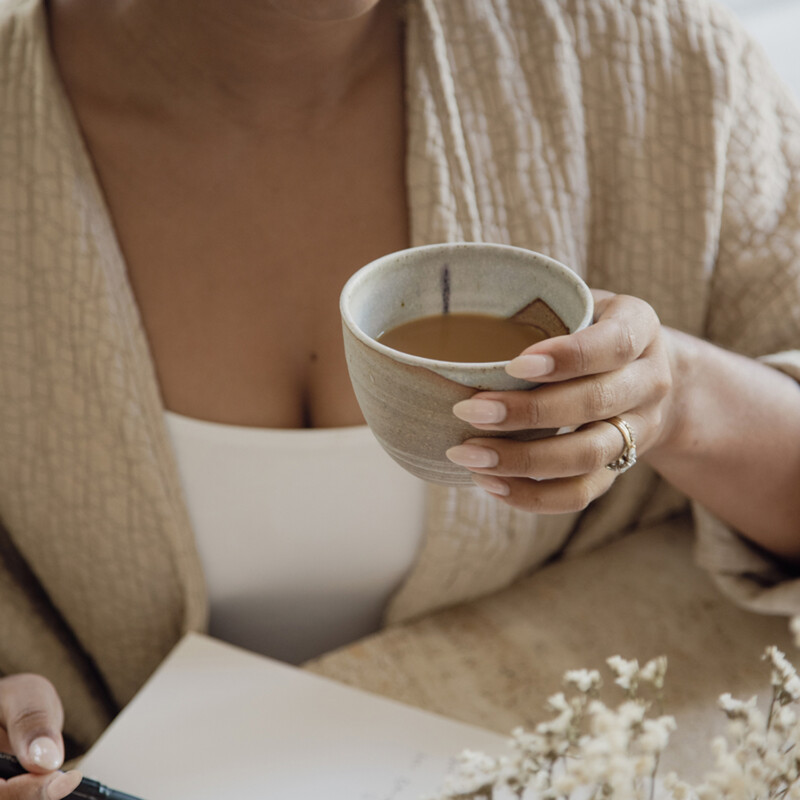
<point x="63" y="784"/>
<point x="45" y="753"/>
<point x="532" y="366"/>
<point x="471" y="455"/>
<point x="492" y="485"/>
<point x="481" y="412"/>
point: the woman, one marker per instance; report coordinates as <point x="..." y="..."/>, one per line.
<point x="188" y="183"/>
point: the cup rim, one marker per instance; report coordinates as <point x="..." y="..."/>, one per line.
<point x="421" y="361"/>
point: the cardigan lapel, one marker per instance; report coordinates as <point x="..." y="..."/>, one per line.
<point x="441" y="197"/>
<point x="472" y="544"/>
<point x="90" y="490"/>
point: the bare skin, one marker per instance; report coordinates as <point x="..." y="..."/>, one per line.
<point x="251" y="161"/>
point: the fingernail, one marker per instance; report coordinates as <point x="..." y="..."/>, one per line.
<point x="533" y="366"/>
<point x="492" y="485"/>
<point x="470" y="455"/>
<point x="63" y="784"/>
<point x="45" y="753"/>
<point x="480" y="411"/>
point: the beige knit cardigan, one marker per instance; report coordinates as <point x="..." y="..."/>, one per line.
<point x="645" y="143"/>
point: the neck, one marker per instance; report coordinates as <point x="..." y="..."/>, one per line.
<point x="257" y="58"/>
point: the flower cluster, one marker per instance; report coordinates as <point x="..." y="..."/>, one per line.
<point x="591" y="751"/>
<point x="758" y="757"/>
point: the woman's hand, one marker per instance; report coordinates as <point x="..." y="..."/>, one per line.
<point x="31" y="717"/>
<point x="619" y="366"/>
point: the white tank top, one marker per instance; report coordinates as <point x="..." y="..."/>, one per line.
<point x="303" y="534"/>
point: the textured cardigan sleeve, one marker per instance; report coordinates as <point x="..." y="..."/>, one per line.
<point x="755" y="292"/>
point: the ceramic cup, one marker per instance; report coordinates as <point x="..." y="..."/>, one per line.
<point x="408" y="400"/>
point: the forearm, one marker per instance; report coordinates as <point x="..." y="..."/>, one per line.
<point x="733" y="442"/>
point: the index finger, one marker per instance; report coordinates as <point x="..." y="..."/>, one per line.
<point x="625" y="327"/>
<point x="31" y="715"/>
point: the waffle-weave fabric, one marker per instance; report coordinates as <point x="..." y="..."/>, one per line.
<point x="645" y="143"/>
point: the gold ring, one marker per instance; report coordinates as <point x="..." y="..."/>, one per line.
<point x="628" y="457"/>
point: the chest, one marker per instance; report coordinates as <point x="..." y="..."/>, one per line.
<point x="237" y="248"/>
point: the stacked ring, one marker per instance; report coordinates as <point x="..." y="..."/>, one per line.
<point x="628" y="457"/>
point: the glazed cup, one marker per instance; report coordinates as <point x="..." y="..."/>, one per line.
<point x="408" y="400"/>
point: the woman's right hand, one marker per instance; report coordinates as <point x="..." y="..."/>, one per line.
<point x="31" y="717"/>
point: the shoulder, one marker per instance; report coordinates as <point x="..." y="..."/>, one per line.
<point x="30" y="94"/>
<point x="23" y="42"/>
<point x="14" y="12"/>
<point x="701" y="22"/>
<point x="661" y="35"/>
<point x="524" y="16"/>
<point x="21" y="23"/>
<point x="38" y="150"/>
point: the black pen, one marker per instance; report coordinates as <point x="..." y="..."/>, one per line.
<point x="87" y="788"/>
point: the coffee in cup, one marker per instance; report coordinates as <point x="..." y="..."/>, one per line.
<point x="407" y="398"/>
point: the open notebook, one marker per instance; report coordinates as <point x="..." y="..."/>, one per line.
<point x="215" y="722"/>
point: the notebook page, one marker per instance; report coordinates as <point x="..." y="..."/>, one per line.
<point x="218" y="722"/>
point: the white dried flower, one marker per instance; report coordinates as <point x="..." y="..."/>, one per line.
<point x="784" y="719"/>
<point x="556" y="727"/>
<point x="655" y="734"/>
<point x="792" y="688"/>
<point x="736" y="709"/>
<point x="591" y="750"/>
<point x="654" y="672"/>
<point x="674" y="787"/>
<point x="565" y="785"/>
<point x="558" y="702"/>
<point x="473" y="771"/>
<point x="782" y="670"/>
<point x="627" y="672"/>
<point x="584" y="680"/>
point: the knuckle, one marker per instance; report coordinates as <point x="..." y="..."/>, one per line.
<point x="527" y="463"/>
<point x="662" y="385"/>
<point x="638" y="306"/>
<point x="532" y="412"/>
<point x="28" y="703"/>
<point x="601" y="399"/>
<point x="627" y="345"/>
<point x="29" y="717"/>
<point x="648" y="312"/>
<point x="579" y="356"/>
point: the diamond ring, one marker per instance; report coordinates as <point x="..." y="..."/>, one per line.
<point x="628" y="457"/>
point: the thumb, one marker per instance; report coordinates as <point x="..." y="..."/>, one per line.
<point x="31" y="716"/>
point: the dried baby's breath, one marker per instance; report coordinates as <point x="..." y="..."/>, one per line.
<point x="591" y="751"/>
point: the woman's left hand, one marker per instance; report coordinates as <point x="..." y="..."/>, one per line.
<point x="617" y="367"/>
